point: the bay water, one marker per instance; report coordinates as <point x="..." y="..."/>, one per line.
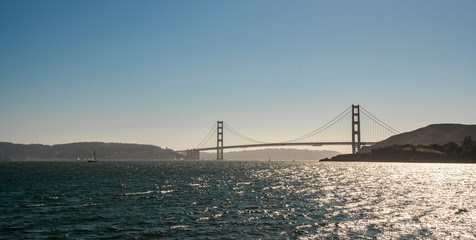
<point x="236" y="200"/>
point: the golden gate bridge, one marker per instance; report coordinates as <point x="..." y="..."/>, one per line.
<point x="376" y="130"/>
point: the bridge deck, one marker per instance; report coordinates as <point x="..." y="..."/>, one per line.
<point x="280" y="144"/>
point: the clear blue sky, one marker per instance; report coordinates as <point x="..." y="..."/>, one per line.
<point x="163" y="72"/>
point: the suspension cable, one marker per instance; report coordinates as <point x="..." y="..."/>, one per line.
<point x="329" y="124"/>
<point x="380" y="122"/>
<point x="208" y="136"/>
<point x="335" y="122"/>
<point x="238" y="134"/>
<point x="324" y="127"/>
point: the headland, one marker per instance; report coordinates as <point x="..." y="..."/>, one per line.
<point x="437" y="143"/>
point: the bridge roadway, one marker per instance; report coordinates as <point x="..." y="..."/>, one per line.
<point x="279" y="144"/>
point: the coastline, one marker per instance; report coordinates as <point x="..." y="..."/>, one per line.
<point x="403" y="158"/>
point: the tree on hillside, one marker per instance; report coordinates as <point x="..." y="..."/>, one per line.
<point x="451" y="148"/>
<point x="468" y="148"/>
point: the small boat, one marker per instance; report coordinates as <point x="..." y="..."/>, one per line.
<point x="93" y="158"/>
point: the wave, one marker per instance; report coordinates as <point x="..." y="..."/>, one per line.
<point x="138" y="193"/>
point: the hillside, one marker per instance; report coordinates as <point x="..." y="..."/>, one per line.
<point x="432" y="134"/>
<point x="434" y="153"/>
<point x="274" y="154"/>
<point x="83" y="150"/>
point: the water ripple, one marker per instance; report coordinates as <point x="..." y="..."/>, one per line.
<point x="216" y="200"/>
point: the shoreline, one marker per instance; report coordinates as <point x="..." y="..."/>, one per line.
<point x="407" y="158"/>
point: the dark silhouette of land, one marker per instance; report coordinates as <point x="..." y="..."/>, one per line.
<point x="434" y="143"/>
<point x="11" y="151"/>
<point x="432" y="134"/>
<point x="439" y="143"/>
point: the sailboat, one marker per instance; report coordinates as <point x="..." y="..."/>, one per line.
<point x="93" y="158"/>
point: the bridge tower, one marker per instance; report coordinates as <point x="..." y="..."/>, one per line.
<point x="355" y="129"/>
<point x="193" y="154"/>
<point x="220" y="140"/>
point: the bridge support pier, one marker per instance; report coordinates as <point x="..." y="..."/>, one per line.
<point x="193" y="154"/>
<point x="355" y="129"/>
<point x="220" y="140"/>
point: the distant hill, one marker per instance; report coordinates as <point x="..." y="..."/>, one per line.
<point x="83" y="150"/>
<point x="274" y="154"/>
<point x="432" y="134"/>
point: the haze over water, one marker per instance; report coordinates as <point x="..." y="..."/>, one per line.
<point x="237" y="200"/>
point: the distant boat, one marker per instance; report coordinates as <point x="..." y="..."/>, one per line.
<point x="93" y="158"/>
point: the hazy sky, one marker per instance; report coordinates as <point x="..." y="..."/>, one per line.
<point x="163" y="72"/>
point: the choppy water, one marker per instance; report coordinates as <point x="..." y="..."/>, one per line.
<point x="231" y="200"/>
